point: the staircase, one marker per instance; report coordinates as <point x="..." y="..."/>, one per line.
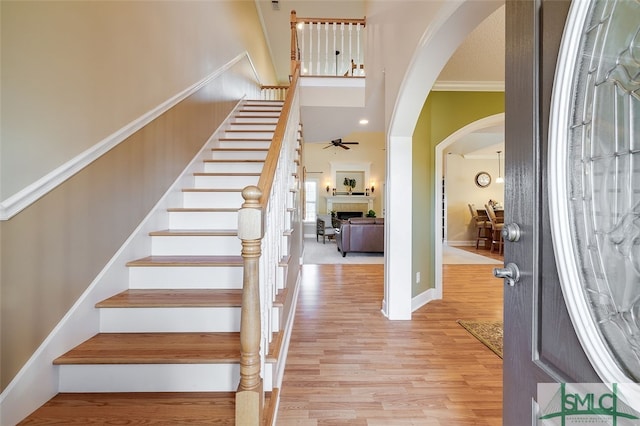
<point x="176" y="329"/>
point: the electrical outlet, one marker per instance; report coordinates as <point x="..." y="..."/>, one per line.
<point x="417" y="277"/>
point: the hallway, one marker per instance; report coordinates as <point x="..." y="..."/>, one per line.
<point x="347" y="364"/>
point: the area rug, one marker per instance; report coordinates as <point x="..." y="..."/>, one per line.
<point x="488" y="332"/>
<point x="327" y="253"/>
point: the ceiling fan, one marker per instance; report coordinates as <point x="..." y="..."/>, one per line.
<point x="338" y="142"/>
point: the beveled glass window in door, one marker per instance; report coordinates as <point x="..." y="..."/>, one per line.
<point x="594" y="182"/>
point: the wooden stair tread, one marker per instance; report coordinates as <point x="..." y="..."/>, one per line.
<point x="194" y="233"/>
<point x="240" y="149"/>
<point x="160" y="298"/>
<point x="246" y="139"/>
<point x="212" y="189"/>
<point x="140" y="408"/>
<point x="225" y="174"/>
<point x="202" y="209"/>
<point x="280" y="298"/>
<point x="155" y="348"/>
<point x="242" y="114"/>
<point x="242" y="123"/>
<point x="274" y="348"/>
<point x="188" y="261"/>
<point x="248" y="130"/>
<point x="162" y="348"/>
<point x="213" y="160"/>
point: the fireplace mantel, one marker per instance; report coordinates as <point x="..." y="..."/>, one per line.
<point x="350" y="199"/>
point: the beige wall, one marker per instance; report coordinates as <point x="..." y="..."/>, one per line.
<point x="317" y="161"/>
<point x="461" y="190"/>
<point x="443" y="113"/>
<point x="72" y="73"/>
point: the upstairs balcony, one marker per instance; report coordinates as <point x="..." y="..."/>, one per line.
<point x="330" y="53"/>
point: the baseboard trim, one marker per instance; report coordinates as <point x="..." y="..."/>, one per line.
<point x="425" y="297"/>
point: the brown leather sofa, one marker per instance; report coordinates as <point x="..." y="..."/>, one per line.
<point x="361" y="234"/>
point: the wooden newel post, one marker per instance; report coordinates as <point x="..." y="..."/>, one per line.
<point x="250" y="396"/>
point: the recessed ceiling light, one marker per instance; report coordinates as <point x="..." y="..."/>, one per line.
<point x="364" y="121"/>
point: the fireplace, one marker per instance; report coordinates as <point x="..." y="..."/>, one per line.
<point x="347" y="215"/>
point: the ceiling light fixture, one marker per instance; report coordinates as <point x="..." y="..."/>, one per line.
<point x="499" y="179"/>
<point x="364" y="121"/>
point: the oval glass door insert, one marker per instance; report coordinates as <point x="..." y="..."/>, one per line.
<point x="594" y="184"/>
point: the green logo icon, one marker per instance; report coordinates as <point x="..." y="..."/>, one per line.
<point x="584" y="404"/>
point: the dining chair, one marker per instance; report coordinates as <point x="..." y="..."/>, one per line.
<point x="496" y="229"/>
<point x="482" y="224"/>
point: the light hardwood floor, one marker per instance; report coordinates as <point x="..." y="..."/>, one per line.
<point x="348" y="365"/>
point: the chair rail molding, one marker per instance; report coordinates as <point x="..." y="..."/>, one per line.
<point x="33" y="192"/>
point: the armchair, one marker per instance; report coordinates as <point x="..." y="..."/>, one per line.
<point x="324" y="227"/>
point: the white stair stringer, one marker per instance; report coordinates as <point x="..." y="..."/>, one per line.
<point x="202" y="228"/>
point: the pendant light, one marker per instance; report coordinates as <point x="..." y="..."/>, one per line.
<point x="500" y="179"/>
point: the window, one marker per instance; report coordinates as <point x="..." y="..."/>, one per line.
<point x="311" y="200"/>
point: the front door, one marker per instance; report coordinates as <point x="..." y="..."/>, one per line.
<point x="540" y="341"/>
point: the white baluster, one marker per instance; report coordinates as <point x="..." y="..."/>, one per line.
<point x="342" y="46"/>
<point x="311" y="48"/>
<point x="350" y="46"/>
<point x="326" y="48"/>
<point x="318" y="25"/>
<point x="358" y="49"/>
<point x="335" y="26"/>
<point x="302" y="47"/>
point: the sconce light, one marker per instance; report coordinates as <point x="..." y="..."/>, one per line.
<point x="499" y="179"/>
<point x="373" y="189"/>
<point x="327" y="188"/>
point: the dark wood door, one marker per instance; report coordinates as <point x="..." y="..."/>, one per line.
<point x="540" y="341"/>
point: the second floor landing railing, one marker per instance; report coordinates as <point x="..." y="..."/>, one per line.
<point x="328" y="46"/>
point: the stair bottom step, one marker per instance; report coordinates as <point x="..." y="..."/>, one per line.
<point x="170" y="408"/>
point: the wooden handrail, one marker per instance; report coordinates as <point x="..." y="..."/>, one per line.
<point x="360" y="21"/>
<point x="298" y="50"/>
<point x="271" y="162"/>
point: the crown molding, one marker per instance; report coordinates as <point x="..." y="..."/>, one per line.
<point x="468" y="86"/>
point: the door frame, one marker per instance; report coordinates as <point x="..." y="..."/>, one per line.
<point x="483" y="123"/>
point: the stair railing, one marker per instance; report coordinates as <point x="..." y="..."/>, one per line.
<point x="263" y="222"/>
<point x="273" y="93"/>
<point x="328" y="46"/>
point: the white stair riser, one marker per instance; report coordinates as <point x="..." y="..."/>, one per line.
<point x="259" y="127"/>
<point x="239" y="155"/>
<point x="155" y="378"/>
<point x="197" y="245"/>
<point x="170" y="320"/>
<point x="255" y="112"/>
<point x="244" y="144"/>
<point x="185" y="277"/>
<point x="149" y="378"/>
<point x="277" y="107"/>
<point x="203" y="220"/>
<point x="225" y="181"/>
<point x="239" y="167"/>
<point x="249" y="135"/>
<point x="254" y="119"/>
<point x="212" y="199"/>
<point x="275" y="319"/>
